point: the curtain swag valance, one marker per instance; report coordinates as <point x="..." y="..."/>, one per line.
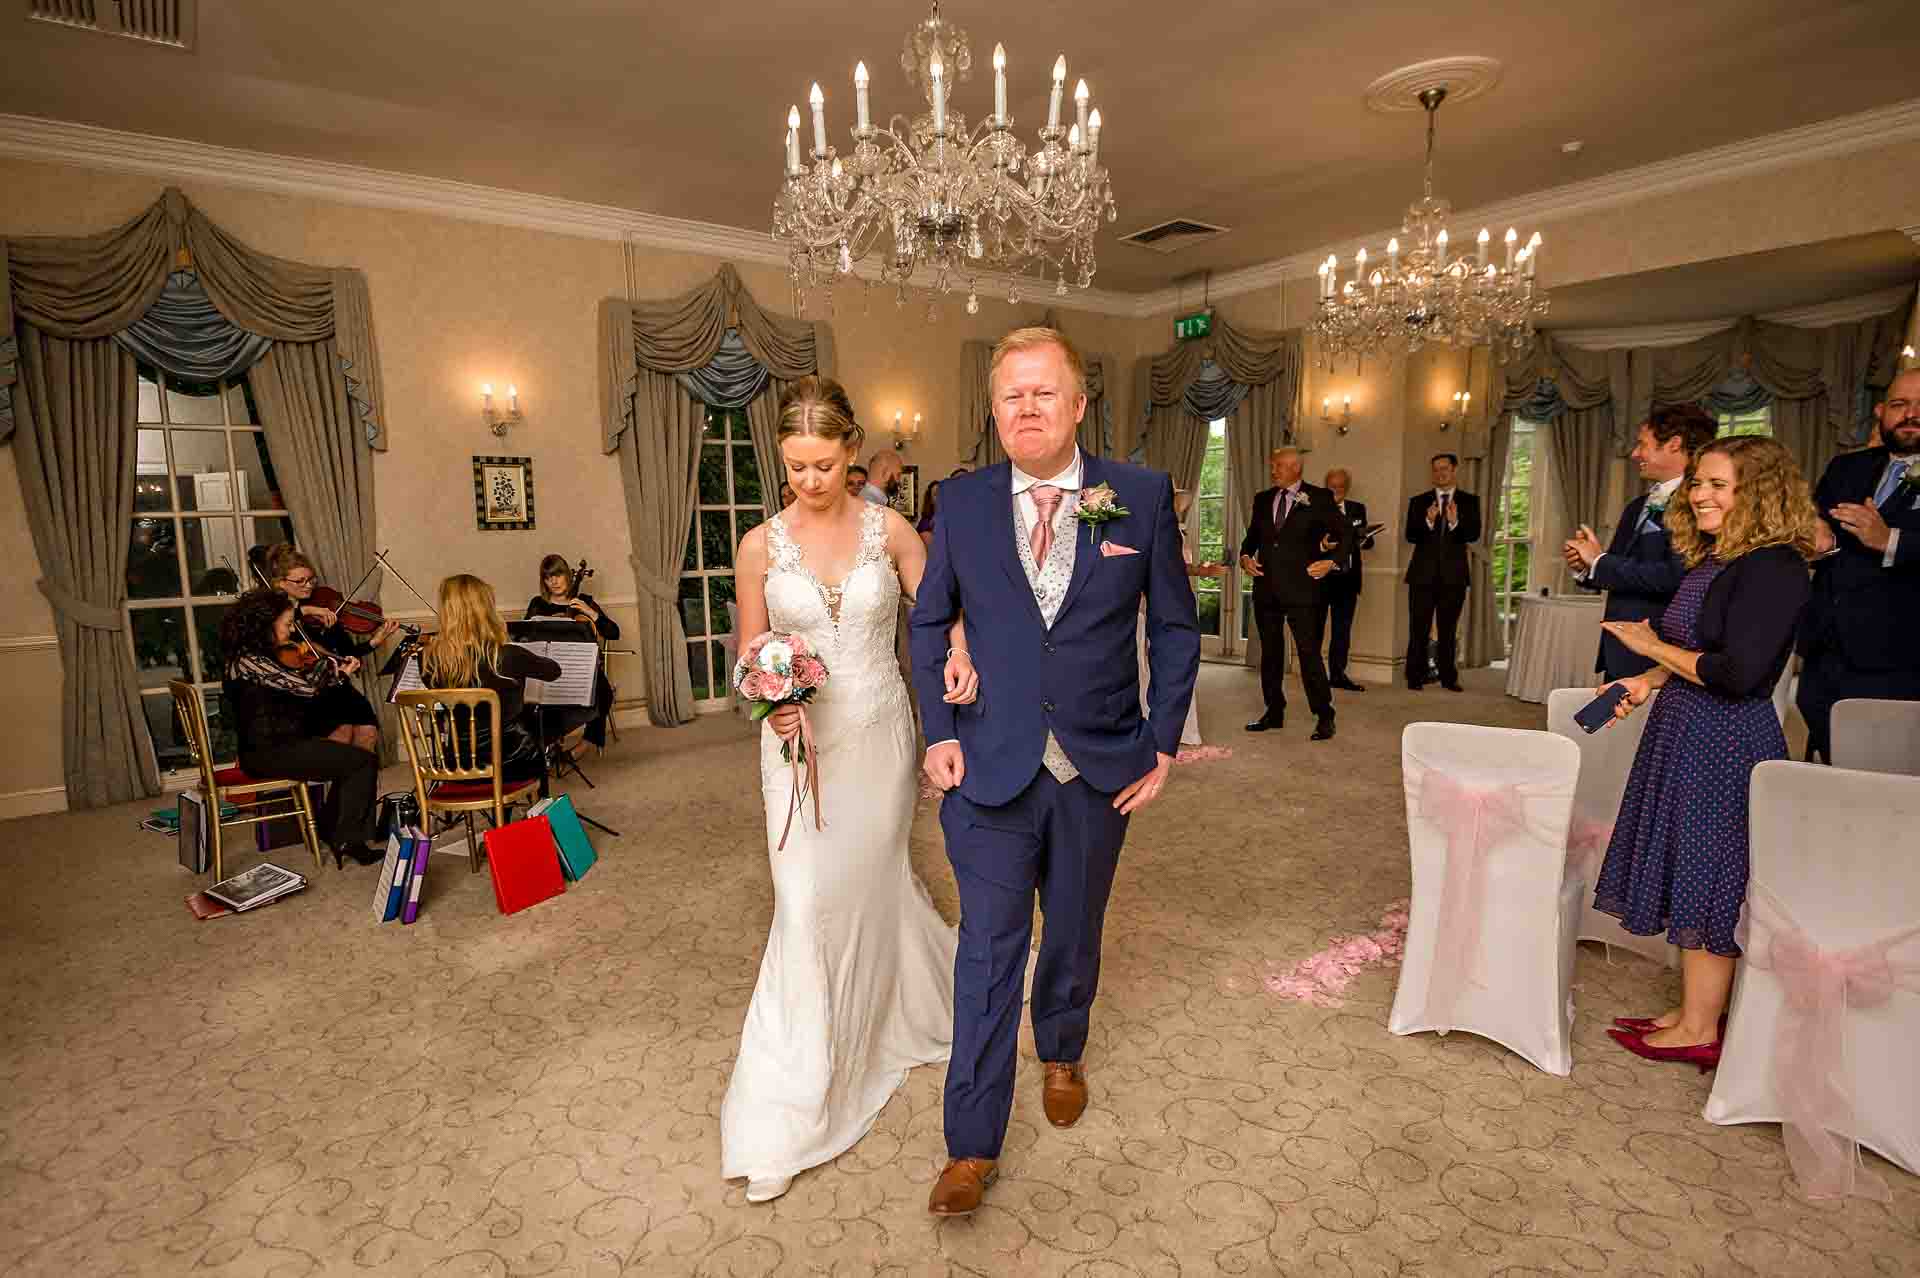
<point x="89" y="286"/>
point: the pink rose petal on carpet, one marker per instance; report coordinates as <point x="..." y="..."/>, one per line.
<point x="1320" y="979"/>
<point x="1202" y="754"/>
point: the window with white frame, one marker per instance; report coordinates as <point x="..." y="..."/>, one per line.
<point x="1757" y="422"/>
<point x="1210" y="512"/>
<point x="729" y="505"/>
<point x="1512" y="533"/>
<point x="204" y="494"/>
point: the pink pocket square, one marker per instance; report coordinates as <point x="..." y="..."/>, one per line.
<point x="1108" y="549"/>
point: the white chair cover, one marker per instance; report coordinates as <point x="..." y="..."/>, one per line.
<point x="1877" y="736"/>
<point x="1606" y="757"/>
<point x="1490" y="933"/>
<point x="1783" y="692"/>
<point x="1824" y="1030"/>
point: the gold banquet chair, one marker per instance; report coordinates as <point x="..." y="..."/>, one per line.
<point x="232" y="784"/>
<point x="442" y="743"/>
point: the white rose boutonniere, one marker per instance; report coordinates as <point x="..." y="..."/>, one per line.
<point x="1912" y="476"/>
<point x="1098" y="505"/>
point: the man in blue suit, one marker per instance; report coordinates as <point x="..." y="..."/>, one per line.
<point x="1860" y="635"/>
<point x="1639" y="569"/>
<point x="1048" y="556"/>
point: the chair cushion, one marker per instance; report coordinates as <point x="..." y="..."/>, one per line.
<point x="457" y="791"/>
<point x="234" y="775"/>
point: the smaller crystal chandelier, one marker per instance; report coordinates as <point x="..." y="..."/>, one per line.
<point x="931" y="193"/>
<point x="1428" y="293"/>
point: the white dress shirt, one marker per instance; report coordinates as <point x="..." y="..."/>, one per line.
<point x="1453" y="504"/>
<point x="1067" y="481"/>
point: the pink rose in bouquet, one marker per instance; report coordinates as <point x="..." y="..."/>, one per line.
<point x="777" y="670"/>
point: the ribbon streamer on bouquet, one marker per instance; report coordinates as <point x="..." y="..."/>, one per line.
<point x="1474" y="819"/>
<point x="1812" y="1077"/>
<point x="805" y="759"/>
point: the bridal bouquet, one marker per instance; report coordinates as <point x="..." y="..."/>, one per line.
<point x="777" y="670"/>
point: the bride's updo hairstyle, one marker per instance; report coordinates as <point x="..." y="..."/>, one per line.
<point x="819" y="406"/>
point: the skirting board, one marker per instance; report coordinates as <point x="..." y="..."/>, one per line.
<point x="23" y="803"/>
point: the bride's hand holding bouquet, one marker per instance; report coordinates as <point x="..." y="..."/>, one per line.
<point x="777" y="675"/>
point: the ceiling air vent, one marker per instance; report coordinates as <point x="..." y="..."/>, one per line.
<point x="168" y="22"/>
<point x="1171" y="237"/>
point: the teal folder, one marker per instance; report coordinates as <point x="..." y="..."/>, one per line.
<point x="576" y="850"/>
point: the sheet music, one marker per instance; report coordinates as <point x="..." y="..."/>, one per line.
<point x="408" y="680"/>
<point x="579" y="663"/>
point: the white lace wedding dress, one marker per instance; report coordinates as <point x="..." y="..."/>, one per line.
<point x="856" y="986"/>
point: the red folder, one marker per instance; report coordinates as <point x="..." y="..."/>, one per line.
<point x="525" y="862"/>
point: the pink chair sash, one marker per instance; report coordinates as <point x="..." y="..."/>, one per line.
<point x="1587" y="843"/>
<point x="1474" y="819"/>
<point x="1812" y="1076"/>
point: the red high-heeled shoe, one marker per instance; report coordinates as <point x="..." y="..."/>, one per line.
<point x="1704" y="1056"/>
<point x="1647" y="1024"/>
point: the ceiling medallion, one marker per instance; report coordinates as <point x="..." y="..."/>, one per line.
<point x="932" y="194"/>
<point x="1430" y="293"/>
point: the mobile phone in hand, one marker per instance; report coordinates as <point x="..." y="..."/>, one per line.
<point x="1598" y="713"/>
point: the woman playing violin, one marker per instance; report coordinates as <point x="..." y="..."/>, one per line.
<point x="270" y="690"/>
<point x="343" y="712"/>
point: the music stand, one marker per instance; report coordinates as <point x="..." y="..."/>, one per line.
<point x="577" y="649"/>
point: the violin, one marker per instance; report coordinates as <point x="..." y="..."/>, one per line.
<point x="299" y="654"/>
<point x="356" y="616"/>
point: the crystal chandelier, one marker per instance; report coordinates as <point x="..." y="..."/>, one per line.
<point x="1427" y="294"/>
<point x="933" y="193"/>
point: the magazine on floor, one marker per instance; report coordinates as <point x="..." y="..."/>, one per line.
<point x="263" y="883"/>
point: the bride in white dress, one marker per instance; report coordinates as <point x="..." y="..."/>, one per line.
<point x="856" y="985"/>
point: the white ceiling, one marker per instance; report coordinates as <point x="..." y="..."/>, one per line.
<point x="1248" y="116"/>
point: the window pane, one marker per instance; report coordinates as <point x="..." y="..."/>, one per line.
<point x="153" y="567"/>
<point x="746" y="519"/>
<point x="159" y="645"/>
<point x="212" y="544"/>
<point x="697" y="670"/>
<point x="693" y="606"/>
<point x="1522" y="555"/>
<point x="169" y="734"/>
<point x="221" y="733"/>
<point x="200" y="465"/>
<point x="719" y="595"/>
<point x="716" y="539"/>
<point x="722" y="670"/>
<point x="260" y="532"/>
<point x="150" y="471"/>
<point x="257" y="487"/>
<point x="713" y="475"/>
<point x="240" y="404"/>
<point x="691" y="563"/>
<point x="1212" y="525"/>
<point x="149" y="398"/>
<point x="746" y="475"/>
<point x="1213" y="473"/>
<point x="194" y="403"/>
<point x="206" y="630"/>
<point x="1209" y="601"/>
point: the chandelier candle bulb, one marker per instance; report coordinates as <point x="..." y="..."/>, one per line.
<point x="1484" y="238"/>
<point x="1000" y="85"/>
<point x="1073" y="138"/>
<point x="1440" y="247"/>
<point x="793" y="141"/>
<point x="1093" y="135"/>
<point x="1081" y="99"/>
<point x="513" y="400"/>
<point x="937" y="77"/>
<point x="1512" y="235"/>
<point x="819" y="102"/>
<point x="1393" y="255"/>
<point x="860" y="95"/>
<point x="1059" y="91"/>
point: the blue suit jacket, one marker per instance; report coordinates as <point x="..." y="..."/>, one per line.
<point x="1080" y="679"/>
<point x="1640" y="573"/>
<point x="1869" y="610"/>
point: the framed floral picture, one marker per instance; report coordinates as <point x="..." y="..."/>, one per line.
<point x="503" y="493"/>
<point x="907" y="499"/>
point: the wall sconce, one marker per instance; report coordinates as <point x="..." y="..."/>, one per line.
<point x="1462" y="401"/>
<point x="904" y="431"/>
<point x="497" y="421"/>
<point x="1344" y="421"/>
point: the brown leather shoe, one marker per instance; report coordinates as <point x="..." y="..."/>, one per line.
<point x="1064" y="1096"/>
<point x="958" y="1191"/>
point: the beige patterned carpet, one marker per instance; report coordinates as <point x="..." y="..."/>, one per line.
<point x="304" y="1092"/>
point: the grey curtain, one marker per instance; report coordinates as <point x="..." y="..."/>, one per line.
<point x="1582" y="455"/>
<point x="75" y="451"/>
<point x="979" y="443"/>
<point x="1244" y="356"/>
<point x="651" y="420"/>
<point x="185" y="335"/>
<point x="1096" y="425"/>
<point x="97" y="285"/>
<point x="325" y="468"/>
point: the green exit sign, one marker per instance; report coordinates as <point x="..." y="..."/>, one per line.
<point x="1188" y="327"/>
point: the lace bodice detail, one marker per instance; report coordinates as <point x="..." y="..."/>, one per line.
<point x="852" y="624"/>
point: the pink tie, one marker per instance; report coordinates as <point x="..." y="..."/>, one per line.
<point x="1046" y="500"/>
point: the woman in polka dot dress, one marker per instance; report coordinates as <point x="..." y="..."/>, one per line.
<point x="1678" y="860"/>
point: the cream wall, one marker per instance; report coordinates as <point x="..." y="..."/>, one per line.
<point x="455" y="304"/>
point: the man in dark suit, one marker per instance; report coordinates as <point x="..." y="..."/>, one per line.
<point x="1860" y="636"/>
<point x="1343" y="585"/>
<point x="1441" y="524"/>
<point x="1639" y="569"/>
<point x="1294" y="541"/>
